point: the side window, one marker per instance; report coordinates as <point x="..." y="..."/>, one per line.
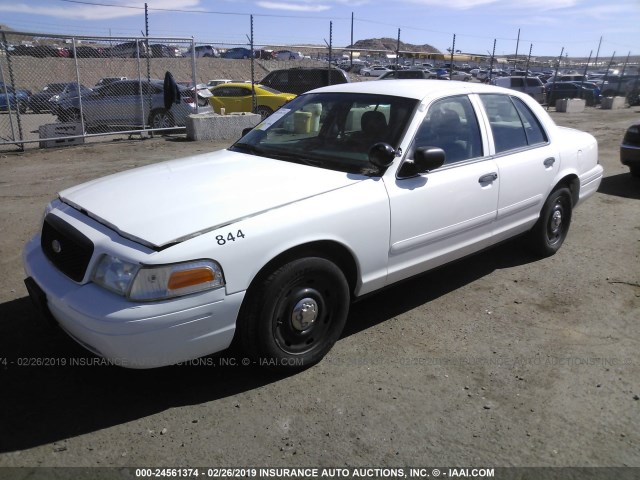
<point x="451" y="124"/>
<point x="512" y="123"/>
<point x="532" y="128"/>
<point x="221" y="92"/>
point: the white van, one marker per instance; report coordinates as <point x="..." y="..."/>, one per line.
<point x="530" y="85"/>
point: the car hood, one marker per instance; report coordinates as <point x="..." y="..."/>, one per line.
<point x="169" y="202"/>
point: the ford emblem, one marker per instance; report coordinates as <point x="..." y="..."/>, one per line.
<point x="56" y="246"/>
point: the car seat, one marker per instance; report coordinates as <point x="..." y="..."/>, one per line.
<point x="447" y="134"/>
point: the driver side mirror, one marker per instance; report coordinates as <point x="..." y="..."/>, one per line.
<point x="382" y="155"/>
<point x="424" y="160"/>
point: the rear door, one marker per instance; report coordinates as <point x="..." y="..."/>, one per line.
<point x="527" y="162"/>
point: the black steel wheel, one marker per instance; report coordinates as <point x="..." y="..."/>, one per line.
<point x="295" y="315"/>
<point x="551" y="229"/>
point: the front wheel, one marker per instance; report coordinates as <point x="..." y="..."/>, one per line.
<point x="293" y="318"/>
<point x="551" y="229"/>
<point x="71" y="115"/>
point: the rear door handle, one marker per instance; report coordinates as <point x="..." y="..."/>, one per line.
<point x="488" y="178"/>
<point x="548" y="163"/>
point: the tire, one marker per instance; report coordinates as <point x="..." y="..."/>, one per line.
<point x="263" y="111"/>
<point x="161" y="119"/>
<point x="22" y="107"/>
<point x="291" y="320"/>
<point x="72" y="115"/>
<point x="548" y="234"/>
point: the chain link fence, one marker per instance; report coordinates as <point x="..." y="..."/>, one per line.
<point x="57" y="89"/>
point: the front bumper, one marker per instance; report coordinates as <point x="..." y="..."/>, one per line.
<point x="131" y="334"/>
<point x="630" y="155"/>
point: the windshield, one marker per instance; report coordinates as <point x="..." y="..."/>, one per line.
<point x="331" y="130"/>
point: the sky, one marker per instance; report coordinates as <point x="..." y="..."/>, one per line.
<point x="544" y="27"/>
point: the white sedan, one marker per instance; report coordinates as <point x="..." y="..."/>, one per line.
<point x="374" y="71"/>
<point x="345" y="190"/>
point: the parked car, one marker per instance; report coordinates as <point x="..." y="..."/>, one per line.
<point x="442" y="74"/>
<point x="107" y="80"/>
<point x="204" y="51"/>
<point x="265" y="54"/>
<point x="131" y="103"/>
<point x="558" y="90"/>
<point x="406" y="74"/>
<point x="160" y="50"/>
<point x="40" y="102"/>
<point x="348" y="190"/>
<point x="87" y="51"/>
<point x="237" y="53"/>
<point x="460" y="76"/>
<point x="630" y="149"/>
<point x="218" y="81"/>
<point x="137" y="48"/>
<point x="375" y="71"/>
<point x="41" y="51"/>
<point x="13" y="99"/>
<point x="70" y="93"/>
<point x="530" y="85"/>
<point x="300" y="80"/>
<point x="287" y="55"/>
<point x="237" y="97"/>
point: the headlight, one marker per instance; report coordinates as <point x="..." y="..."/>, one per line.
<point x="147" y="283"/>
<point x="114" y="274"/>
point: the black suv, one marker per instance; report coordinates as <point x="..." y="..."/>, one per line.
<point x="301" y="80"/>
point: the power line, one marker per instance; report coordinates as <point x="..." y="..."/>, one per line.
<point x="212" y="12"/>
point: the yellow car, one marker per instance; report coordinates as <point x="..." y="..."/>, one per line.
<point x="236" y="97"/>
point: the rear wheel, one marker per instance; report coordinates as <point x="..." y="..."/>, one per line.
<point x="263" y="111"/>
<point x="551" y="229"/>
<point x="161" y="119"/>
<point x="293" y="318"/>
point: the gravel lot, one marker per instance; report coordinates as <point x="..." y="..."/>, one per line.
<point x="497" y="360"/>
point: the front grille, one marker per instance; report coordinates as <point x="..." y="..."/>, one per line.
<point x="68" y="249"/>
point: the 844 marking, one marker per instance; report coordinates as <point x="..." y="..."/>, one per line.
<point x="230" y="237"/>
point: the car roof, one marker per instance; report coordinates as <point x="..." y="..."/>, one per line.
<point x="414" y="88"/>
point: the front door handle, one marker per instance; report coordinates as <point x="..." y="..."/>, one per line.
<point x="488" y="178"/>
<point x="548" y="163"/>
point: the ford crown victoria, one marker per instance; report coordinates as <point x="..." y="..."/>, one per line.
<point x="343" y="191"/>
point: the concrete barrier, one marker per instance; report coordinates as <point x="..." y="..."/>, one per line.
<point x="612" y="103"/>
<point x="52" y="134"/>
<point x="570" y="105"/>
<point x="211" y="126"/>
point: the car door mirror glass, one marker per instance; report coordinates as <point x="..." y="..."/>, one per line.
<point x="382" y="154"/>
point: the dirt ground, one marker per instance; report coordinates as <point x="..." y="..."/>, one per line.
<point x="498" y="360"/>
